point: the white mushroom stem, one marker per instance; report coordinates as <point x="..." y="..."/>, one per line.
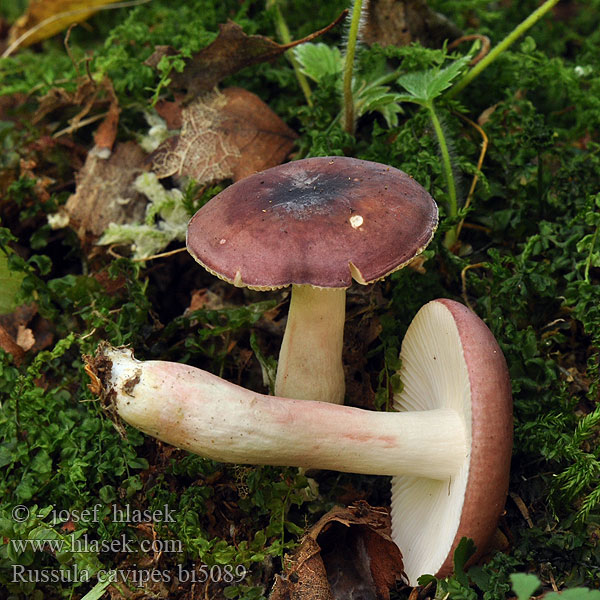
<point x="310" y="360"/>
<point x="194" y="410"/>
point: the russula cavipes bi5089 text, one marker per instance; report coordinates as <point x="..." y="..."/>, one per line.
<point x="314" y="224"/>
<point x="448" y="446"/>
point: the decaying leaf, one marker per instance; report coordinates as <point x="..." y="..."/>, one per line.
<point x="105" y="193"/>
<point x="45" y="18"/>
<point x="347" y="554"/>
<point x="232" y="51"/>
<point x="9" y="344"/>
<point x="224" y="135"/>
<point x="401" y="22"/>
<point x="24" y="330"/>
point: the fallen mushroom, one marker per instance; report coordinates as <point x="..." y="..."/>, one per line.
<point x="314" y="224"/>
<point x="448" y="447"/>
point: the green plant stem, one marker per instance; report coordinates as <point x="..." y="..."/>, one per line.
<point x="518" y="31"/>
<point x="349" y="67"/>
<point x="588" y="262"/>
<point x="451" y="236"/>
<point x="284" y="35"/>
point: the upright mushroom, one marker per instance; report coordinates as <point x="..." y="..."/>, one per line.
<point x="448" y="447"/>
<point x="314" y="224"/>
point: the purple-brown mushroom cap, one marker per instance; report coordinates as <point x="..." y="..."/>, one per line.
<point x="317" y="221"/>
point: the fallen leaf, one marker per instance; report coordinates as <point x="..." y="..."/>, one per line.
<point x="225" y="135"/>
<point x="348" y="553"/>
<point x="45" y="18"/>
<point x="105" y="193"/>
<point x="24" y="330"/>
<point x="231" y="51"/>
<point x="401" y="22"/>
<point x="8" y="344"/>
<point x="306" y="578"/>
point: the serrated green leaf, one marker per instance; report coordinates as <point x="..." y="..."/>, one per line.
<point x="465" y="549"/>
<point x="426" y="86"/>
<point x="379" y="99"/>
<point x="318" y="60"/>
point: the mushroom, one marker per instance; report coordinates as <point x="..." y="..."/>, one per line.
<point x="314" y="224"/>
<point x="448" y="447"/>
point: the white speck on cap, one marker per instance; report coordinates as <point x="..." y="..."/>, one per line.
<point x="356" y="221"/>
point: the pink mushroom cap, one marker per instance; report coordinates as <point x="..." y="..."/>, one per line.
<point x="317" y="221"/>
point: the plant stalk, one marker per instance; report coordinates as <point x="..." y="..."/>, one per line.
<point x="349" y="67"/>
<point x="450" y="238"/>
<point x="284" y="35"/>
<point x="517" y="32"/>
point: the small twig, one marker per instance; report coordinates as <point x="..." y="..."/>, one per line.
<point x="161" y="255"/>
<point x="477" y="227"/>
<point x="522" y="508"/>
<point x="79" y="124"/>
<point x="68" y="49"/>
<point x="463" y="278"/>
<point x="484" y="147"/>
<point x="114" y="254"/>
<point x="485" y="45"/>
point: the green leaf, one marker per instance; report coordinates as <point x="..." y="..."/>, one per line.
<point x="574" y="594"/>
<point x="465" y="549"/>
<point x="10" y="285"/>
<point x="41" y="462"/>
<point x="524" y="584"/>
<point x="378" y="98"/>
<point x="319" y="60"/>
<point x="98" y="590"/>
<point x="426" y="86"/>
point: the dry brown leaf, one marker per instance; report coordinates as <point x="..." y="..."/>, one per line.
<point x="348" y="554"/>
<point x="232" y="51"/>
<point x="45" y="18"/>
<point x="9" y="344"/>
<point x="23" y="330"/>
<point x="105" y="193"/>
<point x="225" y="135"/>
